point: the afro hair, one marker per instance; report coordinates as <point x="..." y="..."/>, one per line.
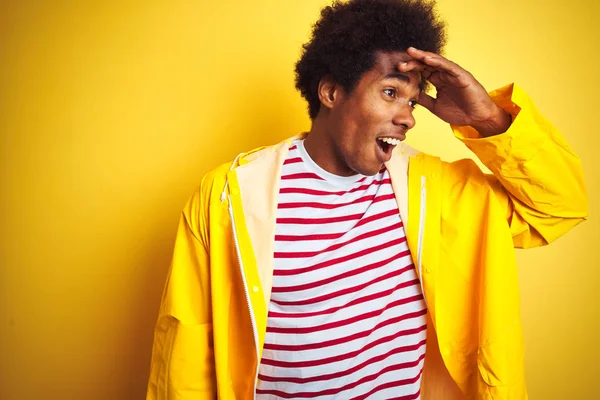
<point x="348" y="35"/>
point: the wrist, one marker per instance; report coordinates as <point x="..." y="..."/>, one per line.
<point x="497" y="124"/>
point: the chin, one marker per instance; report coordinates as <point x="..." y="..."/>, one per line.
<point x="368" y="170"/>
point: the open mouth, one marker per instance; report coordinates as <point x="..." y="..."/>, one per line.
<point x="387" y="145"/>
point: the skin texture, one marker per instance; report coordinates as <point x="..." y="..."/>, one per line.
<point x="343" y="137"/>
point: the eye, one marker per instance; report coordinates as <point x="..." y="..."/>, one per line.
<point x="390" y="92"/>
<point x="413" y="103"/>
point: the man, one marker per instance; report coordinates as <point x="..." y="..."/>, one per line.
<point x="341" y="264"/>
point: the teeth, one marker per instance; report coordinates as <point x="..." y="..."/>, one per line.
<point x="392" y="141"/>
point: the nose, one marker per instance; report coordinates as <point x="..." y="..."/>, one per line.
<point x="404" y="116"/>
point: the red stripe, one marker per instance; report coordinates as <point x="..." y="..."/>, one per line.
<point x="344" y="275"/>
<point x="298" y="238"/>
<point x="379" y="199"/>
<point x="292" y="160"/>
<point x="352" y="385"/>
<point x="358" y="367"/>
<point x="342" y="292"/>
<point x="359" y="335"/>
<point x="326" y="206"/>
<point x="388" y="385"/>
<point x="311" y="221"/>
<point x="325" y="236"/>
<point x="339" y="260"/>
<point x="315" y="192"/>
<point x="347" y="274"/>
<point x="303" y="254"/>
<point x="383" y="340"/>
<point x="393" y="211"/>
<point x="294" y="147"/>
<point x="347" y="321"/>
<point x="360" y="300"/>
<point x="302" y="175"/>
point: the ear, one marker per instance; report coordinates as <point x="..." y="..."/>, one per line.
<point x="329" y="92"/>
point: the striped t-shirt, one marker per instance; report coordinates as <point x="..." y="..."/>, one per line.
<point x="347" y="319"/>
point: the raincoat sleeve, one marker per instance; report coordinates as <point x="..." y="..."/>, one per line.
<point x="182" y="366"/>
<point x="536" y="175"/>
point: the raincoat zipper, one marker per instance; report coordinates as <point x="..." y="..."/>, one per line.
<point x="422" y="233"/>
<point x="246" y="291"/>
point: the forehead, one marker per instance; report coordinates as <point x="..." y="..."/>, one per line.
<point x="386" y="63"/>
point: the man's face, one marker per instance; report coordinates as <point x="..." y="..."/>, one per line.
<point x="380" y="107"/>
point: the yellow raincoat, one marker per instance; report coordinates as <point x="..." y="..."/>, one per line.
<point x="461" y="227"/>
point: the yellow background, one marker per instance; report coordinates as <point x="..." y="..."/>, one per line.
<point x="111" y="111"/>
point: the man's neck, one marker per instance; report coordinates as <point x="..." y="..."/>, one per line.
<point x="322" y="149"/>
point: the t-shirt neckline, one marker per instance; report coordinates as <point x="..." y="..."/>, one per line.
<point x="312" y="166"/>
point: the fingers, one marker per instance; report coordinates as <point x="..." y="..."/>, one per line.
<point x="416" y="65"/>
<point x="435" y="61"/>
<point x="412" y="65"/>
<point x="426" y="101"/>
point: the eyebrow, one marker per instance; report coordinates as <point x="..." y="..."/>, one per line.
<point x="404" y="78"/>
